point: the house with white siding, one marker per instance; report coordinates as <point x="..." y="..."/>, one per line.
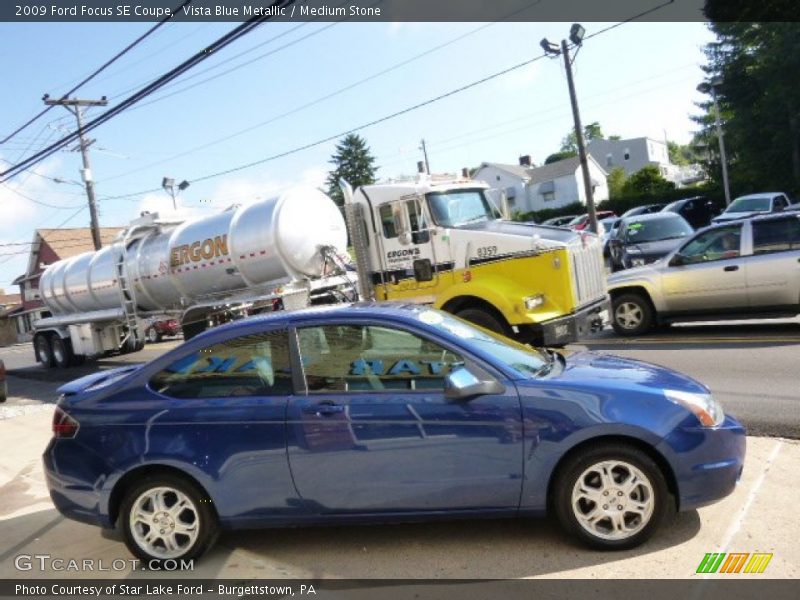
<point x="528" y="188"/>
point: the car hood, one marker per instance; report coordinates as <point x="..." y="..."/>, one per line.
<point x="659" y="247"/>
<point x="97" y="381"/>
<point x="594" y="370"/>
<point x="650" y="272"/>
<point x="737" y="216"/>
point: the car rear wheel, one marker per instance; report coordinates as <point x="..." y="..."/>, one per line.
<point x="43" y="349"/>
<point x="631" y="314"/>
<point x="166" y="517"/>
<point x="611" y="497"/>
<point x="153" y="336"/>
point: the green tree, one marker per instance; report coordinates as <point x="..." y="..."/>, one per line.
<point x="556" y="156"/>
<point x="616" y="182"/>
<point x="680" y="155"/>
<point x="647" y="181"/>
<point x="353" y="162"/>
<point x="754" y="66"/>
<point x="592" y="131"/>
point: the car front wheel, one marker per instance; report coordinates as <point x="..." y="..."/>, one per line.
<point x="153" y="336"/>
<point x="631" y="314"/>
<point x="612" y="497"/>
<point x="167" y="518"/>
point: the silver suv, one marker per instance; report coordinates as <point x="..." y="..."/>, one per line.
<point x="744" y="269"/>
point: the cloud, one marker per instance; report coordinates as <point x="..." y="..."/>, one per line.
<point x="521" y="79"/>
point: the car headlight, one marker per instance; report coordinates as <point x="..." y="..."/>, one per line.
<point x="707" y="410"/>
<point x="533" y="302"/>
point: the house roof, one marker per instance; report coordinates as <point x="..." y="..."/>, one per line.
<point x="7" y="312"/>
<point x="534" y="175"/>
<point x="71" y="242"/>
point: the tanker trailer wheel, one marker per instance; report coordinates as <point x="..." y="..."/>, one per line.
<point x="62" y="352"/>
<point x="43" y="350"/>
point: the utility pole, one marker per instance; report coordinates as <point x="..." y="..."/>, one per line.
<point x="75" y="106"/>
<point x="587" y="179"/>
<point x="425" y="154"/>
<point x="721" y="137"/>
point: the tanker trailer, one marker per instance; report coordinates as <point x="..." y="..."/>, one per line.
<point x="288" y="248"/>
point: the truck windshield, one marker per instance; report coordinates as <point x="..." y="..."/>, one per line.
<point x="458" y="208"/>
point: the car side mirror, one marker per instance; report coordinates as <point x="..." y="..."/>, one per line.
<point x="678" y="260"/>
<point x="463" y="384"/>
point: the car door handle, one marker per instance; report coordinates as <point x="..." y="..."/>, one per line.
<point x="732" y="268"/>
<point x="324" y="409"/>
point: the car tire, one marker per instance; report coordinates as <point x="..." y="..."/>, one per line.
<point x="631" y="314"/>
<point x="62" y="352"/>
<point x="153" y="336"/>
<point x="43" y="350"/>
<point x="611" y="471"/>
<point x="184" y="534"/>
<point x="485" y="319"/>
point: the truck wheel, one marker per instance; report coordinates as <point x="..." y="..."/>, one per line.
<point x="631" y="314"/>
<point x="153" y="336"/>
<point x="44" y="353"/>
<point x="62" y="352"/>
<point x="485" y="319"/>
<point x="166" y="517"/>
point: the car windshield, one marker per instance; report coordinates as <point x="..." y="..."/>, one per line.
<point x="526" y="361"/>
<point x="577" y="220"/>
<point x="749" y="204"/>
<point x="637" y="232"/>
<point x="454" y="209"/>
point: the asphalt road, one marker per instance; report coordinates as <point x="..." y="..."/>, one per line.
<point x="752" y="368"/>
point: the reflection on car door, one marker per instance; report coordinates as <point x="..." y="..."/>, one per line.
<point x="712" y="277"/>
<point x="773" y="272"/>
<point x="375" y="432"/>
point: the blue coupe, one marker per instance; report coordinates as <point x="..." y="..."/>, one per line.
<point x="382" y="412"/>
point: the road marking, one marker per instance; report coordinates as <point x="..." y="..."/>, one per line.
<point x="736" y="525"/>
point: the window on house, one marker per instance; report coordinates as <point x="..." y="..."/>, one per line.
<point x="548" y="196"/>
<point x="627" y="154"/>
<point x="609" y="160"/>
<point x="497" y="177"/>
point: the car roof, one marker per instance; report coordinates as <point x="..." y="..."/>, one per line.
<point x="656" y="216"/>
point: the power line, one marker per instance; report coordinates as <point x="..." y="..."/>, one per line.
<point x="99" y="70"/>
<point x="204" y="54"/>
<point x="39" y="202"/>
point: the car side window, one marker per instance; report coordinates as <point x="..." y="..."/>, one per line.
<point x="367" y="358"/>
<point x="715" y="244"/>
<point x="776" y="235"/>
<point x="250" y="365"/>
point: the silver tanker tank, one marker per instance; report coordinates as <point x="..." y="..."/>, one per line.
<point x="268" y="241"/>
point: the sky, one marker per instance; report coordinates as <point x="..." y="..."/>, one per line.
<point x="287" y="85"/>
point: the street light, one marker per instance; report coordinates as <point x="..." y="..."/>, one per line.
<point x="710" y="87"/>
<point x="168" y="183"/>
<point x="576" y="34"/>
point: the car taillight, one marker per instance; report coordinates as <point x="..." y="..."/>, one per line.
<point x="64" y="426"/>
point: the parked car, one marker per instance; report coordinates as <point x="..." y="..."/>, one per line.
<point x="753" y="204"/>
<point x="164" y="327"/>
<point x="581" y="222"/>
<point x="609" y="227"/>
<point x="382" y="412"/>
<point x="743" y="269"/>
<point x="559" y="221"/>
<point x="644" y="239"/>
<point x="698" y="211"/>
<point x="643" y="210"/>
<point x="3" y="383"/>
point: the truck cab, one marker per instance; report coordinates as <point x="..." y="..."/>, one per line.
<point x="446" y="244"/>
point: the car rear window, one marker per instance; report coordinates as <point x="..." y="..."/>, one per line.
<point x="776" y="235"/>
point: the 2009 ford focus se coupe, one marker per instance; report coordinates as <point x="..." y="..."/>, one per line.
<point x="382" y="413"/>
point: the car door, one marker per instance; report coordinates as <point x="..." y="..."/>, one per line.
<point x="773" y="271"/>
<point x="708" y="275"/>
<point x="224" y="410"/>
<point x="375" y="433"/>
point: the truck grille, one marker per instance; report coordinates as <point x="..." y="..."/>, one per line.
<point x="588" y="270"/>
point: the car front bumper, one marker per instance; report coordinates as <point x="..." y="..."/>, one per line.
<point x="707" y="462"/>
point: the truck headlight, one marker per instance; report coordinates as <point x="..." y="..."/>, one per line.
<point x="534" y="302"/>
<point x="703" y="406"/>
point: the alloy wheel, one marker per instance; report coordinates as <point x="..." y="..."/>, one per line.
<point x="164" y="522"/>
<point x="629" y="315"/>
